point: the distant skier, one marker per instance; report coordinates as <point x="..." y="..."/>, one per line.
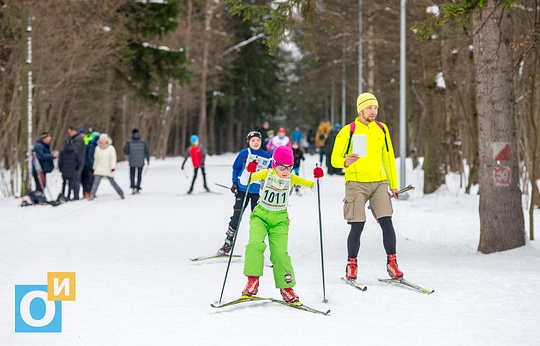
<point x="198" y="155"/>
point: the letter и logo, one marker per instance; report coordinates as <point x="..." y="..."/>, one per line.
<point x="38" y="308"/>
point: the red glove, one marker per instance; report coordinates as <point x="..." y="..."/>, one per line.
<point x="318" y="172"/>
<point x="252" y="166"/>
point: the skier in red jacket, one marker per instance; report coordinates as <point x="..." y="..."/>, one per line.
<point x="197" y="154"/>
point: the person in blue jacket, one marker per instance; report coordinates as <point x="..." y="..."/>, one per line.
<point x="249" y="154"/>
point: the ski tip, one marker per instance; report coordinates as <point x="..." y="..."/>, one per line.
<point x="355" y="284"/>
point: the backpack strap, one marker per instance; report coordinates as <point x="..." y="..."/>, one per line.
<point x="384" y="131"/>
<point x="352" y="127"/>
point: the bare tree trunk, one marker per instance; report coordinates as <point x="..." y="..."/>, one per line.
<point x="535" y="150"/>
<point x="370" y="55"/>
<point x="184" y="92"/>
<point x="501" y="214"/>
<point x="211" y="6"/>
<point x="528" y="127"/>
<point x="211" y="125"/>
<point x="433" y="145"/>
<point x="229" y="140"/>
<point x="470" y="126"/>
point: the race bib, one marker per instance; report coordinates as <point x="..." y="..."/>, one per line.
<point x="263" y="162"/>
<point x="275" y="193"/>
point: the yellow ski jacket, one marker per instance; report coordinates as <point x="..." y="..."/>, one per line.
<point x="379" y="163"/>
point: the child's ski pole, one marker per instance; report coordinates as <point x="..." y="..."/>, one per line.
<point x="321" y="239"/>
<point x="234" y="238"/>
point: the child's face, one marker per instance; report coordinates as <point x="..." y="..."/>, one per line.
<point x="255" y="143"/>
<point x="283" y="171"/>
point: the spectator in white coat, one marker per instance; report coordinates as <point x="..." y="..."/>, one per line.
<point x="104" y="165"/>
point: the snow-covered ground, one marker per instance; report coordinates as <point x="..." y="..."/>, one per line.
<point x="135" y="284"/>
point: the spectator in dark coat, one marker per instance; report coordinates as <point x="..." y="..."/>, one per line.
<point x="45" y="159"/>
<point x="137" y="150"/>
<point x="68" y="162"/>
<point x="328" y="147"/>
<point x="87" y="177"/>
<point x="80" y="149"/>
<point x="264" y="133"/>
<point x="311" y="141"/>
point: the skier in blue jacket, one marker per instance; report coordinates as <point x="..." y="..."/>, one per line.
<point x="252" y="152"/>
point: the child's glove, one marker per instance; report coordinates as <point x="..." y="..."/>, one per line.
<point x="252" y="167"/>
<point x="318" y="172"/>
<point x="234" y="188"/>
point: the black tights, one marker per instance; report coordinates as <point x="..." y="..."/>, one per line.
<point x="389" y="236"/>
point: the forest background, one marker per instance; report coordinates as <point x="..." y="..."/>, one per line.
<point x="221" y="68"/>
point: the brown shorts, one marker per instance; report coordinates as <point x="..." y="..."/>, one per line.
<point x="356" y="196"/>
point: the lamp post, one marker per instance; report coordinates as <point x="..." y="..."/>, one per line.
<point x="360" y="60"/>
<point x="402" y="100"/>
<point x="30" y="84"/>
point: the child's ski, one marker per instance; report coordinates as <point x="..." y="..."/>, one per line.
<point x="407" y="284"/>
<point x="202" y="258"/>
<point x="300" y="306"/>
<point x="354" y="284"/>
<point x="242" y="299"/>
<point x="295" y="305"/>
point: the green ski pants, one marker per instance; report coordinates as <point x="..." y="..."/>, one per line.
<point x="275" y="224"/>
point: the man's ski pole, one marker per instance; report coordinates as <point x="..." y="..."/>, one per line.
<point x="321" y="239"/>
<point x="405" y="189"/>
<point x="234" y="238"/>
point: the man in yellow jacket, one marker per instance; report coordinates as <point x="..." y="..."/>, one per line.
<point x="370" y="171"/>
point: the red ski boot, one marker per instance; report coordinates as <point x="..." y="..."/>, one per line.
<point x="288" y="295"/>
<point x="351" y="270"/>
<point x="392" y="267"/>
<point x="252" y="286"/>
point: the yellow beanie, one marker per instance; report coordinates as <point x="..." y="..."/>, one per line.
<point x="364" y="100"/>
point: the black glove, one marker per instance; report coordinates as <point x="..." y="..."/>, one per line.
<point x="112" y="170"/>
<point x="234" y="188"/>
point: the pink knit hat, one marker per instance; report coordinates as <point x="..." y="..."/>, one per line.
<point x="282" y="156"/>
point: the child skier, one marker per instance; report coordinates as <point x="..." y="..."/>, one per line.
<point x="270" y="218"/>
<point x="251" y="153"/>
<point x="198" y="155"/>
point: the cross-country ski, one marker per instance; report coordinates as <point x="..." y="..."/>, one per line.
<point x="406" y="284"/>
